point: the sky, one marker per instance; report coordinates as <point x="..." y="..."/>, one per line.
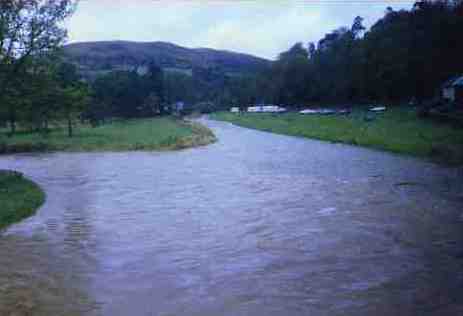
<point x="263" y="28"/>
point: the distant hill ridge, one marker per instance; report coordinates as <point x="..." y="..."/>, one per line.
<point x="95" y="58"/>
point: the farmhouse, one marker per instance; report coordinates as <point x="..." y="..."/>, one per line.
<point x="452" y="90"/>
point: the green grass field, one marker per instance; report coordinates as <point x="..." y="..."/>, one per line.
<point x="143" y="134"/>
<point x="398" y="130"/>
<point x="19" y="198"/>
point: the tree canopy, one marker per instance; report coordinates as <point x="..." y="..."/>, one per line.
<point x="30" y="32"/>
<point x="406" y="54"/>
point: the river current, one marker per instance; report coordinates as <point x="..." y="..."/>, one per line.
<point x="255" y="224"/>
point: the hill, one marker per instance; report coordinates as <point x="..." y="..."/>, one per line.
<point x="94" y="58"/>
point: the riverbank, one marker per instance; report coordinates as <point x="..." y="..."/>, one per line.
<point x="398" y="130"/>
<point x="163" y="133"/>
<point x="19" y="197"/>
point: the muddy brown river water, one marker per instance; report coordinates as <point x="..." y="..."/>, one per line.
<point x="256" y="224"/>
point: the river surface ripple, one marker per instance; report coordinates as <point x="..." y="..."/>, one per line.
<point x="256" y="224"/>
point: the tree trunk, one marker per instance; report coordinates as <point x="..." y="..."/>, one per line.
<point x="12" y="127"/>
<point x="44" y="128"/>
<point x="12" y="122"/>
<point x="70" y="132"/>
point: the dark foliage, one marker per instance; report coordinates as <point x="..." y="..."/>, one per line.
<point x="405" y="55"/>
<point x="127" y="94"/>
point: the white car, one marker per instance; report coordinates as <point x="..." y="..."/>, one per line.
<point x="266" y="109"/>
<point x="378" y="109"/>
<point x="318" y="111"/>
<point x="309" y="111"/>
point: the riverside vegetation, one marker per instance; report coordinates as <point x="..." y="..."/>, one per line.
<point x="162" y="133"/>
<point x="397" y="130"/>
<point x="19" y="197"/>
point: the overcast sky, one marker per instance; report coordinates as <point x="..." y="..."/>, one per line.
<point x="260" y="27"/>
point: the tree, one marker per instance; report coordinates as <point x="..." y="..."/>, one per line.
<point x="126" y="94"/>
<point x="152" y="105"/>
<point x="405" y="54"/>
<point x="72" y="94"/>
<point x="39" y="90"/>
<point x="296" y="51"/>
<point x="28" y="29"/>
<point x="155" y="89"/>
<point x="179" y="87"/>
<point x="357" y="27"/>
<point x="73" y="101"/>
<point x="311" y="49"/>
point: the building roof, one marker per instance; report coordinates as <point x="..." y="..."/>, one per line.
<point x="454" y="82"/>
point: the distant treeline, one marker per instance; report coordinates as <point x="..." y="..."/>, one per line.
<point x="127" y="94"/>
<point x="405" y="55"/>
<point x="131" y="94"/>
<point x="40" y="88"/>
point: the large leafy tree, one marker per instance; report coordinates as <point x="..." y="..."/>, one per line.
<point x="28" y="29"/>
<point x="72" y="95"/>
<point x="52" y="90"/>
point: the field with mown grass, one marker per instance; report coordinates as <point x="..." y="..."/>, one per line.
<point x="162" y="133"/>
<point x="398" y="130"/>
<point x="19" y="198"/>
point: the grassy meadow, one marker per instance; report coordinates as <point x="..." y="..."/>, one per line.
<point x="398" y="130"/>
<point x="142" y="134"/>
<point x="19" y="198"/>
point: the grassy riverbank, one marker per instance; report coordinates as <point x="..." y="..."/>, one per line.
<point x="398" y="130"/>
<point x="19" y="198"/>
<point x="143" y="134"/>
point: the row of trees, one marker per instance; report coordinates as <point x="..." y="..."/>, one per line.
<point x="406" y="55"/>
<point x="36" y="86"/>
<point x="127" y="94"/>
<point x="131" y="94"/>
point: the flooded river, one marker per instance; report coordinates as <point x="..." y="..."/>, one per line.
<point x="256" y="224"/>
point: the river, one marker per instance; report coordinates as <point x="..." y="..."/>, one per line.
<point x="255" y="224"/>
